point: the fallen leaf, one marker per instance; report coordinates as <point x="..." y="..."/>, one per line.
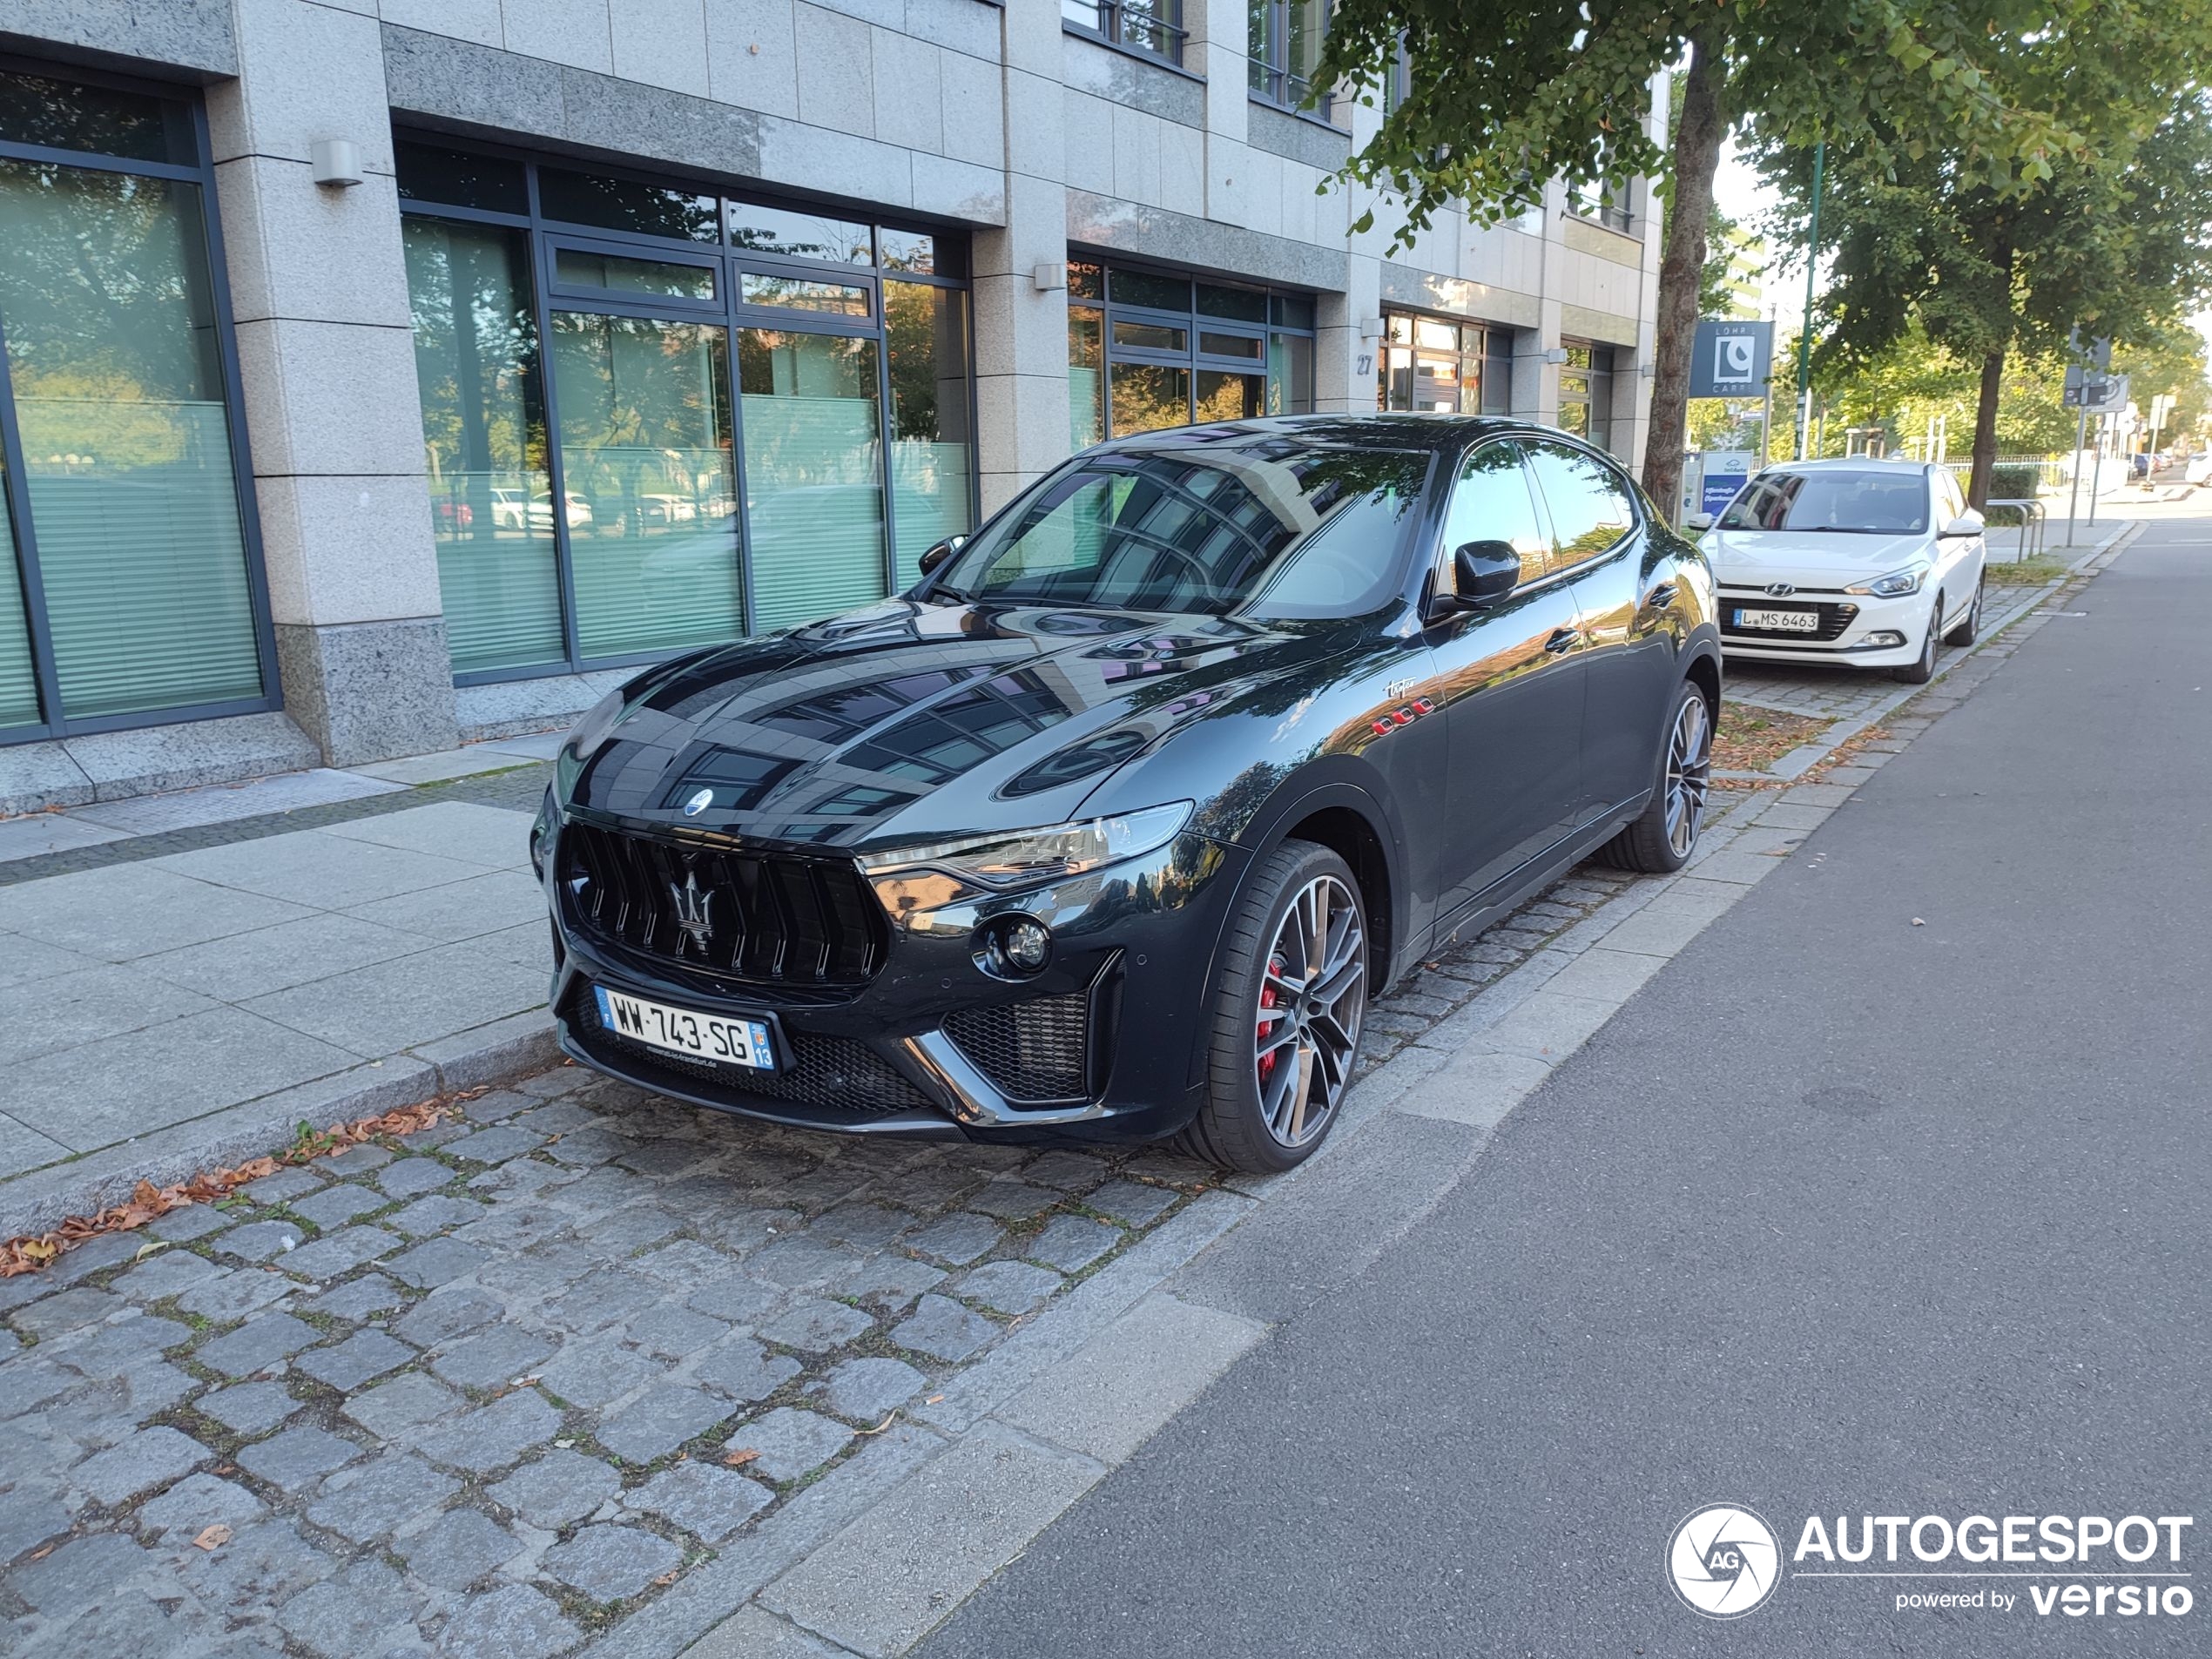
<point x="41" y="1553"/>
<point x="667" y="1578"/>
<point x="149" y="1247"/>
<point x="737" y="1460"/>
<point x="212" y="1537"/>
<point x="879" y="1427"/>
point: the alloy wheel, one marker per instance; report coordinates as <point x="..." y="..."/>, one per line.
<point x="1311" y="1001"/>
<point x="1690" y="774"/>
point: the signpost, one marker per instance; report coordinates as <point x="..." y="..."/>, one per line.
<point x="2089" y="386"/>
<point x="1730" y="359"/>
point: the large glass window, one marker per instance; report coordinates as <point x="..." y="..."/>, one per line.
<point x="813" y="474"/>
<point x="1436" y="365"/>
<point x="1147" y="350"/>
<point x="1284" y="48"/>
<point x="1153" y="26"/>
<point x="483" y="438"/>
<point x="762" y="413"/>
<point x="123" y="511"/>
<point x="925" y="329"/>
<point x="1585" y="394"/>
<point x="648" y="500"/>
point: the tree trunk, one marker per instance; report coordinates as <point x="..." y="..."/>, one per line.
<point x="1992" y="389"/>
<point x="1992" y="386"/>
<point x="1698" y="156"/>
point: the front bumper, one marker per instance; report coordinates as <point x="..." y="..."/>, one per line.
<point x="1100" y="1045"/>
<point x="1875" y="633"/>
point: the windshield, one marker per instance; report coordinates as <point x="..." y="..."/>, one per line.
<point x="1288" y="527"/>
<point x="1858" y="503"/>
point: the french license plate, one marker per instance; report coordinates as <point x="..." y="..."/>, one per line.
<point x="702" y="1036"/>
<point x="1791" y="621"/>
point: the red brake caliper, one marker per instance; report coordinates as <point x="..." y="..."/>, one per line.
<point x="1268" y="1000"/>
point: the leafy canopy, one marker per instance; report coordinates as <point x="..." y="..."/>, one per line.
<point x="1501" y="95"/>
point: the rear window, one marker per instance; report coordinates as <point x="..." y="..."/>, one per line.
<point x="1846" y="502"/>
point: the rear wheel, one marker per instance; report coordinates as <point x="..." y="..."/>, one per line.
<point x="1287" y="1014"/>
<point x="1969" y="628"/>
<point x="1664" y="834"/>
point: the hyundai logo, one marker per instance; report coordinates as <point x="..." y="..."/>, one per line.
<point x="699" y="803"/>
<point x="1775" y="590"/>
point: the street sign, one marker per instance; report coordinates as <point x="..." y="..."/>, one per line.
<point x="1731" y="358"/>
<point x="2094" y="391"/>
<point x="1721" y="474"/>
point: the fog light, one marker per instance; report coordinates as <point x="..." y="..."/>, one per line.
<point x="1883" y="637"/>
<point x="1027" y="944"/>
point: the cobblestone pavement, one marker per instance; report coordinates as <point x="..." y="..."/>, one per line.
<point x="479" y="1389"/>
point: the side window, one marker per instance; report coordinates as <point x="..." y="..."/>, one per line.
<point x="1590" y="507"/>
<point x="1491" y="502"/>
<point x="1949" y="503"/>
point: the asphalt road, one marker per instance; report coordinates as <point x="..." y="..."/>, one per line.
<point x="1839" y="1215"/>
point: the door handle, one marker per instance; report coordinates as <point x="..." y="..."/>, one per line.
<point x="1561" y="639"/>
<point x="1660" y="598"/>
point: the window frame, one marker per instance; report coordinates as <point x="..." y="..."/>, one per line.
<point x="1193" y="321"/>
<point x="1270" y="78"/>
<point x="1483" y="334"/>
<point x="1112" y="28"/>
<point x="729" y="311"/>
<point x="45" y="676"/>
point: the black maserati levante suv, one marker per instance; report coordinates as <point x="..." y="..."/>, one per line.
<point x="1111" y="827"/>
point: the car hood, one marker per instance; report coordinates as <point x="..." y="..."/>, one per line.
<point x="1753" y="558"/>
<point x="913" y="721"/>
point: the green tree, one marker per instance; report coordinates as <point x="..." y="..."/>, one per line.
<point x="2112" y="234"/>
<point x="1499" y="97"/>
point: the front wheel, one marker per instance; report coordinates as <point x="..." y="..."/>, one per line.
<point x="1291" y="997"/>
<point x="1664" y="834"/>
<point x="1921" y="669"/>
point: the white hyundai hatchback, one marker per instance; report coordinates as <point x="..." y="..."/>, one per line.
<point x="1860" y="564"/>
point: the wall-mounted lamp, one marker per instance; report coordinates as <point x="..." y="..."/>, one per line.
<point x="1648" y="369"/>
<point x="1370" y="328"/>
<point x="1050" y="277"/>
<point x="1556" y="355"/>
<point x="336" y="162"/>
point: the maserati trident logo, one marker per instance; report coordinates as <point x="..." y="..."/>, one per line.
<point x="1723" y="1561"/>
<point x="1775" y="590"/>
<point x="699" y="803"/>
<point x="693" y="904"/>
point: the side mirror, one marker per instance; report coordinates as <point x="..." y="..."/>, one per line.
<point x="933" y="556"/>
<point x="1969" y="523"/>
<point x="1699" y="521"/>
<point x="1482" y="574"/>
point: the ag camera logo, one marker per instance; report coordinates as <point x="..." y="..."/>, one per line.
<point x="1723" y="1561"/>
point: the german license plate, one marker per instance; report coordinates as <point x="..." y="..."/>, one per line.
<point x="701" y="1036"/>
<point x="1788" y="621"/>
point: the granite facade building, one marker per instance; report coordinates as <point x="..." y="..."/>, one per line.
<point x="380" y="374"/>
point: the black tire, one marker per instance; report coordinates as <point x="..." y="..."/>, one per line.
<point x="1664" y="835"/>
<point x="1921" y="670"/>
<point x="1969" y="628"/>
<point x="1233" y="1129"/>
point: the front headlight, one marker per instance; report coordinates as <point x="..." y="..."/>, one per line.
<point x="1025" y="858"/>
<point x="592" y="731"/>
<point x="1895" y="585"/>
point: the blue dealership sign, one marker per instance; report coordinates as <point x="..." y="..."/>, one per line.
<point x="1731" y="358"/>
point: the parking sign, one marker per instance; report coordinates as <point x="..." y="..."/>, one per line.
<point x="1731" y="358"/>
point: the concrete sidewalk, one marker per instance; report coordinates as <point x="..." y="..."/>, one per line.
<point x="194" y="997"/>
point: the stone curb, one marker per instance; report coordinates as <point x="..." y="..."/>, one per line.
<point x="41" y="1200"/>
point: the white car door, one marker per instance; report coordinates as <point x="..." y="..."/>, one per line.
<point x="1958" y="559"/>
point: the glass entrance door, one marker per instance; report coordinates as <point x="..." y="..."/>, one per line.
<point x="644" y="483"/>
